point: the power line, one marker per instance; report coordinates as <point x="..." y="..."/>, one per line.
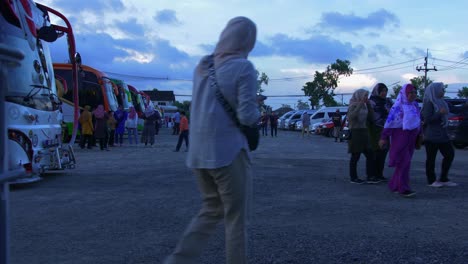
<point x="453" y="66"/>
<point x="390" y="65"/>
<point x="464" y="63"/>
<point x="360" y="71"/>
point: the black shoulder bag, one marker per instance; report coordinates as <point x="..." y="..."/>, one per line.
<point x="250" y="132"/>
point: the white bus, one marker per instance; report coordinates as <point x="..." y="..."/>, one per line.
<point x="32" y="115"/>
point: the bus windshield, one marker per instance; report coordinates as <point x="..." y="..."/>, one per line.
<point x="89" y="90"/>
<point x="38" y="90"/>
<point x="111" y="98"/>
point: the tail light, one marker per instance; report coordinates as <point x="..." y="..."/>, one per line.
<point x="457" y="118"/>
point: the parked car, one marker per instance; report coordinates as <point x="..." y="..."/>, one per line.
<point x="318" y="127"/>
<point x="282" y="119"/>
<point x="326" y="113"/>
<point x="291" y="122"/>
<point x="458" y="122"/>
<point x="326" y="128"/>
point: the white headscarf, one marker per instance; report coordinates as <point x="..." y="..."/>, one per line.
<point x="404" y="114"/>
<point x="434" y="94"/>
<point x="236" y="41"/>
<point x="149" y="111"/>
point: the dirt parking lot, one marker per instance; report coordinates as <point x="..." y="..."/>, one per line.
<point x="131" y="204"/>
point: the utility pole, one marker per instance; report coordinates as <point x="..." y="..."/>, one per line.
<point x="425" y="69"/>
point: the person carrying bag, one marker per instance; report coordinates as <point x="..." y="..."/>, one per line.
<point x="219" y="152"/>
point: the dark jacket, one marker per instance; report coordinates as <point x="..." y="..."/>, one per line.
<point x="336" y="119"/>
<point x="381" y="107"/>
<point x="432" y="128"/>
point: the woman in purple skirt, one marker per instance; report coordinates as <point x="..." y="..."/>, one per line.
<point x="402" y="129"/>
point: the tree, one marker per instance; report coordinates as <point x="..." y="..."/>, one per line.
<point x="396" y="90"/>
<point x="261" y="79"/>
<point x="285" y="106"/>
<point x="302" y="105"/>
<point x="184" y="106"/>
<point x="417" y="82"/>
<point x="325" y="83"/>
<point x="463" y="92"/>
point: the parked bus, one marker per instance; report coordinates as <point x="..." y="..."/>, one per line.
<point x="32" y="113"/>
<point x="138" y="103"/>
<point x="137" y="100"/>
<point x="124" y="97"/>
<point x="94" y="88"/>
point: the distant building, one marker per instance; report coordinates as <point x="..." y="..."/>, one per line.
<point x="161" y="98"/>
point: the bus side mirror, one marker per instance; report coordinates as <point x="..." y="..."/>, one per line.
<point x="47" y="33"/>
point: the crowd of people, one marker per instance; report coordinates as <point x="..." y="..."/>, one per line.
<point x="378" y="127"/>
<point x="108" y="128"/>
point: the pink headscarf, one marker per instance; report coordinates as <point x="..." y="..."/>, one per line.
<point x="404" y="114"/>
<point x="132" y="113"/>
<point x="99" y="111"/>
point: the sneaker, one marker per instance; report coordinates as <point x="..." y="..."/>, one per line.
<point x="382" y="179"/>
<point x="373" y="180"/>
<point x="408" y="194"/>
<point x="436" y="184"/>
<point x="357" y="181"/>
<point x="449" y="184"/>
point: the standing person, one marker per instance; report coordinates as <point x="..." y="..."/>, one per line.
<point x="111" y="125"/>
<point x="264" y="124"/>
<point x="402" y="129"/>
<point x="359" y="113"/>
<point x="337" y="125"/>
<point x="132" y="124"/>
<point x="87" y="128"/>
<point x="121" y="117"/>
<point x="157" y="123"/>
<point x="176" y="123"/>
<point x="381" y="106"/>
<point x="149" y="126"/>
<point x="222" y="169"/>
<point x="274" y="124"/>
<point x="305" y="123"/>
<point x="435" y="111"/>
<point x="100" y="128"/>
<point x="184" y="132"/>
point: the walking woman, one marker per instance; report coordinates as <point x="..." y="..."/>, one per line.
<point x="435" y="111"/>
<point x="402" y="128"/>
<point x="359" y="113"/>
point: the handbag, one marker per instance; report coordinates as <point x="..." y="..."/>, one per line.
<point x="345" y="134"/>
<point x="251" y="133"/>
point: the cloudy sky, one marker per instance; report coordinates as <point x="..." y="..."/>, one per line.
<point x="156" y="44"/>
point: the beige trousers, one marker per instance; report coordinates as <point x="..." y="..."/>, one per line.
<point x="225" y="193"/>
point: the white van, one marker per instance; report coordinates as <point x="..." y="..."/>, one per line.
<point x="326" y="113"/>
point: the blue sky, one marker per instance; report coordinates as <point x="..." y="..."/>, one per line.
<point x="149" y="40"/>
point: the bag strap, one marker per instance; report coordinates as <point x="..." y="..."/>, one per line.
<point x="219" y="95"/>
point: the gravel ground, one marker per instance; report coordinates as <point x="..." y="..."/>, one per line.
<point x="131" y="204"/>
